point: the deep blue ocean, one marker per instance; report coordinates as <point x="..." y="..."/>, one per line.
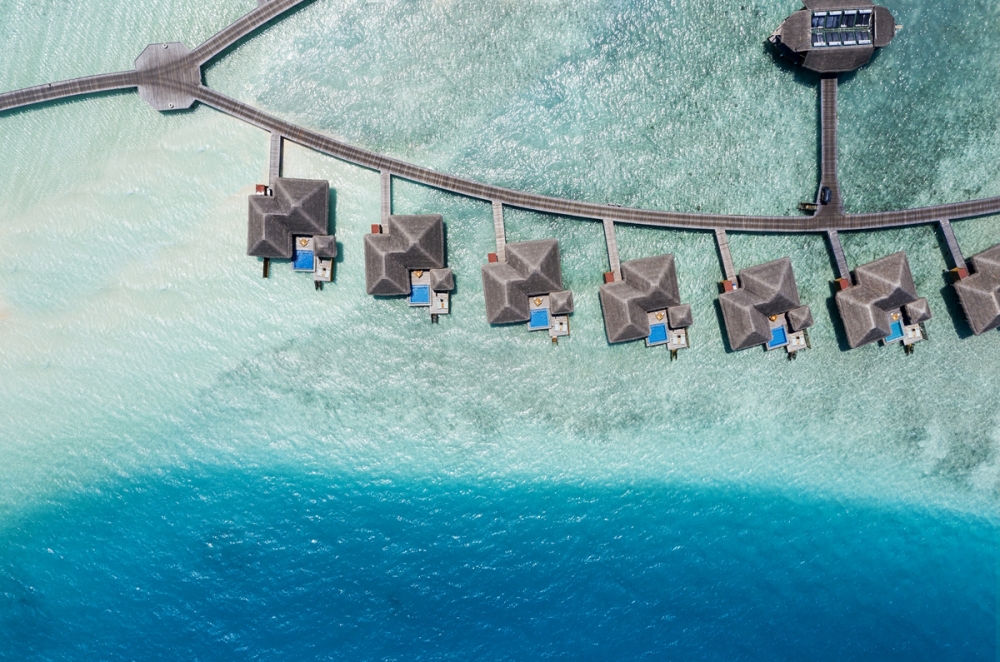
<point x="197" y="464"/>
<point x="204" y="564"/>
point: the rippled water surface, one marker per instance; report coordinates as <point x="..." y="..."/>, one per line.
<point x="196" y="463"/>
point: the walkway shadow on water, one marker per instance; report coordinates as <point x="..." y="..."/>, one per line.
<point x="447" y="263"/>
<point x="722" y="325"/>
<point x="838" y="325"/>
<point x="332" y="229"/>
<point x="950" y="296"/>
<point x="954" y="308"/>
<point x="831" y="303"/>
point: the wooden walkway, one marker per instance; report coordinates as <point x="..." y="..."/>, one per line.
<point x="722" y="243"/>
<point x="265" y="12"/>
<point x="274" y="163"/>
<point x="385" y="187"/>
<point x="29" y="96"/>
<point x="166" y="73"/>
<point x="832" y="220"/>
<point x="612" y="241"/>
<point x="843" y="271"/>
<point x="957" y="259"/>
<point x="828" y="148"/>
<point x="588" y="210"/>
<point x="499" y="231"/>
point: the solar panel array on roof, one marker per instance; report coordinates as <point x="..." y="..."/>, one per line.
<point x="849" y="27"/>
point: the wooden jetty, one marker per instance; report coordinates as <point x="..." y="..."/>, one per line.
<point x="385" y="186"/>
<point x="274" y="163"/>
<point x="589" y="210"/>
<point x="843" y="271"/>
<point x="220" y="41"/>
<point x="722" y="243"/>
<point x="167" y="70"/>
<point x="29" y="96"/>
<point x="499" y="231"/>
<point x="612" y="241"/>
<point x="834" y="206"/>
<point x="955" y="253"/>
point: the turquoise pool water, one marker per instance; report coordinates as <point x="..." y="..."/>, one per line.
<point x="779" y="337"/>
<point x="420" y="294"/>
<point x="539" y="319"/>
<point x="197" y="463"/>
<point x="303" y="261"/>
<point x="657" y="334"/>
<point x="896" y="332"/>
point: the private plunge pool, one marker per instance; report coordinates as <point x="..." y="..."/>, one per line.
<point x="895" y="332"/>
<point x="420" y="295"/>
<point x="539" y="319"/>
<point x="779" y="338"/>
<point x="657" y="334"/>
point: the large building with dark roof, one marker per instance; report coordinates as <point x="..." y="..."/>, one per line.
<point x="834" y="36"/>
<point x="980" y="292"/>
<point x="297" y="207"/>
<point x="405" y="257"/>
<point x="646" y="304"/>
<point x="291" y="222"/>
<point x="883" y="304"/>
<point x="765" y="309"/>
<point x="528" y="288"/>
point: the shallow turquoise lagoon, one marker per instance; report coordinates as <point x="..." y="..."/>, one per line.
<point x="196" y="463"/>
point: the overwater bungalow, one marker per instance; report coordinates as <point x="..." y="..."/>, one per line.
<point x="979" y="291"/>
<point x="834" y="36"/>
<point x="646" y="304"/>
<point x="762" y="307"/>
<point x="528" y="287"/>
<point x="883" y="304"/>
<point x="405" y="257"/>
<point x="291" y="222"/>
